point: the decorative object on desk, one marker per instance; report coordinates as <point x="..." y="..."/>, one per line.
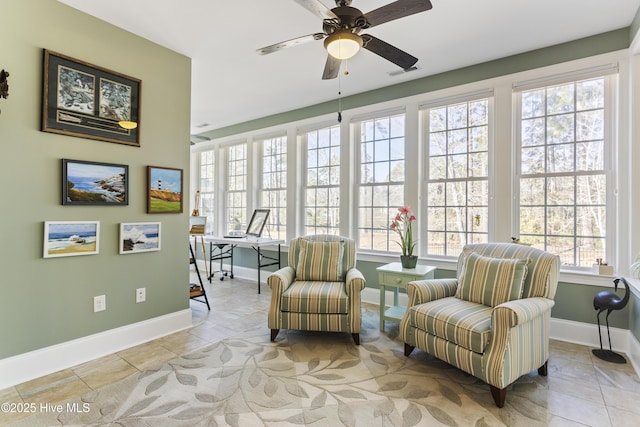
<point x="257" y="223"/>
<point x="94" y="183"/>
<point x="4" y="84"/>
<point x="164" y="190"/>
<point x="607" y="300"/>
<point x="87" y="101"/>
<point x="138" y="237"/>
<point x="401" y="224"/>
<point x="71" y="238"/>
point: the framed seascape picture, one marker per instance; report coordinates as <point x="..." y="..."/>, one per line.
<point x="138" y="237"/>
<point x="94" y="183"/>
<point x="84" y="100"/>
<point x="164" y="190"/>
<point x="71" y="238"/>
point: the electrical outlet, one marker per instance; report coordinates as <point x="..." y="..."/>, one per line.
<point x="141" y="295"/>
<point x="99" y="303"/>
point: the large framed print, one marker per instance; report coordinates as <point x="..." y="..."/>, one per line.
<point x="88" y="101"/>
<point x="139" y="237"/>
<point x="71" y="238"/>
<point x="94" y="183"/>
<point x="164" y="190"/>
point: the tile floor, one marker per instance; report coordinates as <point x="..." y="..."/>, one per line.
<point x="582" y="390"/>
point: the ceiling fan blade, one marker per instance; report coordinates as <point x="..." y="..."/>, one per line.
<point x="317" y="8"/>
<point x="391" y="53"/>
<point x="331" y="68"/>
<point x="395" y="10"/>
<point x="289" y="43"/>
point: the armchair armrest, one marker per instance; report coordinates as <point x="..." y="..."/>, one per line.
<point x="520" y="339"/>
<point x="518" y="312"/>
<point x="354" y="281"/>
<point x="280" y="280"/>
<point x="421" y="291"/>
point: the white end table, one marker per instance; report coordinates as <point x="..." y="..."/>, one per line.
<point x="394" y="276"/>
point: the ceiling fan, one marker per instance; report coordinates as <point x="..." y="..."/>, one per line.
<point x="341" y="28"/>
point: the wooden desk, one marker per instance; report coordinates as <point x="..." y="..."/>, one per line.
<point x="225" y="245"/>
<point x="394" y="276"/>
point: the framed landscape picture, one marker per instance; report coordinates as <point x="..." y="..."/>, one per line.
<point x="164" y="190"/>
<point x="84" y="100"/>
<point x="94" y="183"/>
<point x="138" y="237"/>
<point x="71" y="238"/>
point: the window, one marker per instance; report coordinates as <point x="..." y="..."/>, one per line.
<point x="322" y="181"/>
<point x="381" y="186"/>
<point x="237" y="187"/>
<point x="207" y="187"/>
<point x="563" y="172"/>
<point x="274" y="186"/>
<point x="458" y="176"/>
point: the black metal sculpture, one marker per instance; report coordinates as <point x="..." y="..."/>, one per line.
<point x="607" y="300"/>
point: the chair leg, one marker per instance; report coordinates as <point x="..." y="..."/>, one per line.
<point x="356" y="338"/>
<point x="274" y="334"/>
<point x="542" y="370"/>
<point x="408" y="349"/>
<point x="499" y="395"/>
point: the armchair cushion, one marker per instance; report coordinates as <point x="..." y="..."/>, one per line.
<point x="320" y="260"/>
<point x="466" y="324"/>
<point x="491" y="281"/>
<point x="316" y="297"/>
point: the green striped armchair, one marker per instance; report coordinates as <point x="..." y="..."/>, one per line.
<point x="320" y="288"/>
<point x="492" y="320"/>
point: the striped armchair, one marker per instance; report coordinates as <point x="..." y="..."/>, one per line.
<point x="320" y="288"/>
<point x="492" y="321"/>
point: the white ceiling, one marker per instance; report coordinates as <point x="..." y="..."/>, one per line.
<point x="232" y="84"/>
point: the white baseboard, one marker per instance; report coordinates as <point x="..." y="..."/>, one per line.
<point x="27" y="366"/>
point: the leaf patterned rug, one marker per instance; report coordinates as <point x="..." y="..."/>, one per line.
<point x="304" y="378"/>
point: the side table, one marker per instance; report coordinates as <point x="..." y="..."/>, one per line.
<point x="394" y="276"/>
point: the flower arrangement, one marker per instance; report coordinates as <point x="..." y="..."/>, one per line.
<point x="401" y="224"/>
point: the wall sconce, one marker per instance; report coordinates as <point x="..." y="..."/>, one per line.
<point x="477" y="218"/>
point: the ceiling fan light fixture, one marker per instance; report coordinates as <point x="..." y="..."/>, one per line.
<point x="343" y="45"/>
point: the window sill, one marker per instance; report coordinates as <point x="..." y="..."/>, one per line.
<point x="566" y="276"/>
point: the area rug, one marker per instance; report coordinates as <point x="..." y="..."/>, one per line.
<point x="302" y="379"/>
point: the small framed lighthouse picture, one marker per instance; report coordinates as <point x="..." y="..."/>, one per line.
<point x="164" y="190"/>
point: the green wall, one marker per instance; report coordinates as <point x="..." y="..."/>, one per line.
<point x="49" y="301"/>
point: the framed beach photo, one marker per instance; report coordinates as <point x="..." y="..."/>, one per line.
<point x="84" y="100"/>
<point x="138" y="237"/>
<point x="94" y="183"/>
<point x="164" y="190"/>
<point x="71" y="238"/>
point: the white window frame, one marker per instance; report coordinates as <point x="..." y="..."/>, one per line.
<point x="610" y="76"/>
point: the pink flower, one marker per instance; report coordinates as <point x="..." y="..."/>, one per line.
<point x="401" y="224"/>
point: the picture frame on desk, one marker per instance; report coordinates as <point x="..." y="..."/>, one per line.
<point x="257" y="223"/>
